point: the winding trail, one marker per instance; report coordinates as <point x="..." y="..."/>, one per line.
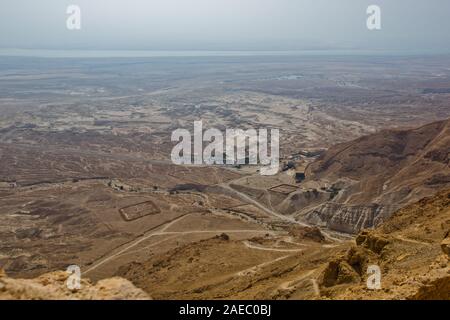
<point x="315" y="287"/>
<point x="252" y="246"/>
<point x="163" y="232"/>
<point x="133" y="244"/>
<point x="291" y="283"/>
<point x="254" y="269"/>
<point x="401" y="238"/>
<point x="260" y="206"/>
<point x="272" y="212"/>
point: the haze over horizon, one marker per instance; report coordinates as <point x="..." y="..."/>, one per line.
<point x="226" y="25"/>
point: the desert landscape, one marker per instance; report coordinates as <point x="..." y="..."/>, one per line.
<point x="86" y="177"/>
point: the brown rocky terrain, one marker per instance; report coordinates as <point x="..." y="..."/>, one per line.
<point x="86" y="176"/>
<point x="411" y="249"/>
<point x="52" y="286"/>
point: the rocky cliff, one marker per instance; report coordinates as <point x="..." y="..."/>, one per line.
<point x="349" y="219"/>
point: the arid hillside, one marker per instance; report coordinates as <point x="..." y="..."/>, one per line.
<point x="411" y="249"/>
<point x="375" y="175"/>
<point x="390" y="166"/>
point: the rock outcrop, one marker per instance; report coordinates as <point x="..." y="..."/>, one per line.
<point x="346" y="269"/>
<point x="52" y="286"/>
<point x="308" y="233"/>
<point x="372" y="241"/>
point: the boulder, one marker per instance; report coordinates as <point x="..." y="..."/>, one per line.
<point x="372" y="241"/>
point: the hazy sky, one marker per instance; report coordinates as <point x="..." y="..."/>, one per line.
<point x="226" y="25"/>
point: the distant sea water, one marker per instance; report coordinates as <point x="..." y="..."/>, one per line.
<point x="154" y="53"/>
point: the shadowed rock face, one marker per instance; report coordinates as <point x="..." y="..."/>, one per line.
<point x="52" y="286"/>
